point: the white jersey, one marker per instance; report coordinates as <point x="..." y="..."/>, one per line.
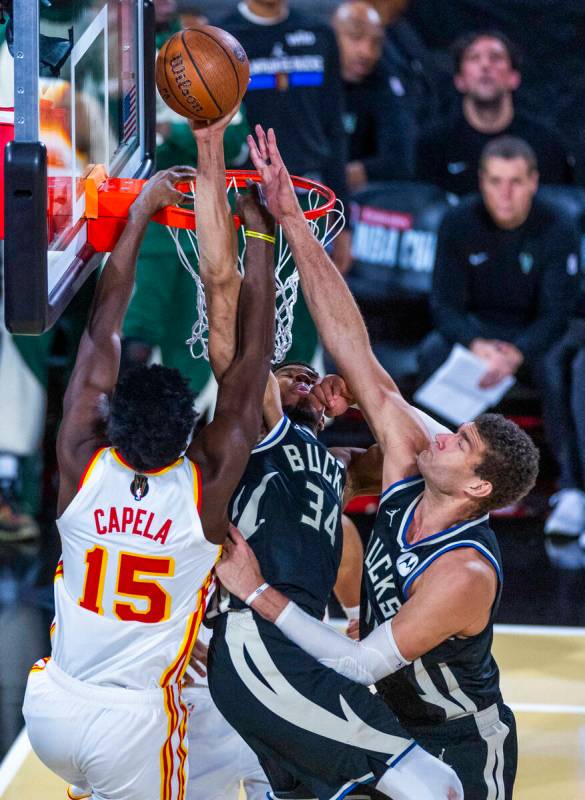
<point x="131" y="589"/>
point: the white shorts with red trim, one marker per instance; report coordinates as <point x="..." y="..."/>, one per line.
<point x="112" y="743"/>
<point x="219" y="759"/>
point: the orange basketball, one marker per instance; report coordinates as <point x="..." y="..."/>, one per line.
<point x="202" y="73"/>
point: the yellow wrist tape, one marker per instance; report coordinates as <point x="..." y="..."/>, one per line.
<point x="264" y="236"/>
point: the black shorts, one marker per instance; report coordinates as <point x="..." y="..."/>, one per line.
<point x="326" y="733"/>
<point x="482" y="749"/>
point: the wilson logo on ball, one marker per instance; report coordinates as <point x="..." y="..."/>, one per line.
<point x="183" y="83"/>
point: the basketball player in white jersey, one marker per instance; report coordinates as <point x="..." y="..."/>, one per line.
<point x="141" y="525"/>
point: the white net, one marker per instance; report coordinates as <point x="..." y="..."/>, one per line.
<point x="325" y="228"/>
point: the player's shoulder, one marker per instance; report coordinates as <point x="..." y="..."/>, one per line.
<point x="402" y="490"/>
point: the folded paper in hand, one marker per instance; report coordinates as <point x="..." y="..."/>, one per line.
<point x="453" y="391"/>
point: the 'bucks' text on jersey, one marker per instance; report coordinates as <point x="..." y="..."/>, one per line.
<point x="288" y="507"/>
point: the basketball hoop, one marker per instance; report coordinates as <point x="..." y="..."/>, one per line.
<point x="107" y="201"/>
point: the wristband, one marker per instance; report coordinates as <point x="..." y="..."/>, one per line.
<point x="266" y="237"/>
<point x="353" y="612"/>
<point x="256" y="593"/>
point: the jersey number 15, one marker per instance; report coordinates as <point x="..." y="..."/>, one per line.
<point x="130" y="582"/>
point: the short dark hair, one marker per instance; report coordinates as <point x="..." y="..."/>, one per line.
<point x="508" y="147"/>
<point x="294" y="363"/>
<point x="151" y="417"/>
<point x="462" y="44"/>
<point x="510" y="461"/>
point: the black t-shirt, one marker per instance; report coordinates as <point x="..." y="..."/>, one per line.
<point x="516" y="285"/>
<point x="296" y="89"/>
<point x="379" y="128"/>
<point x="448" y="153"/>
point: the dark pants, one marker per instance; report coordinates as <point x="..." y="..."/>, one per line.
<point x="564" y="407"/>
<point x="481" y="748"/>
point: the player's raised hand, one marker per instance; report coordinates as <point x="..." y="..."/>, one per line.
<point x="334" y="395"/>
<point x="238" y="567"/>
<point x="253" y="211"/>
<point x="161" y="190"/>
<point x="276" y="183"/>
<point x="204" y="129"/>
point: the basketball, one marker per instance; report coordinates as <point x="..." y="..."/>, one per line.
<point x="202" y="73"/>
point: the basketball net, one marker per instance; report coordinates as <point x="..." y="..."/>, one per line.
<point x="325" y="228"/>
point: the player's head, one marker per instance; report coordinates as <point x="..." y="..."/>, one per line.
<point x="295" y="380"/>
<point x="487" y="66"/>
<point x="488" y="463"/>
<point x="508" y="179"/>
<point x="360" y="36"/>
<point x="151" y="416"/>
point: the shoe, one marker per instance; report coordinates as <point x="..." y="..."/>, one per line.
<point x="14" y="525"/>
<point x="568" y="517"/>
<point x="565" y="552"/>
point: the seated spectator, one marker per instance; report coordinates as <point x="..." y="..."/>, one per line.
<point x="380" y="138"/>
<point x="564" y="416"/>
<point x="505" y="273"/>
<point x="418" y="78"/>
<point x="487" y="73"/>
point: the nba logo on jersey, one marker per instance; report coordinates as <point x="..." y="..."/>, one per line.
<point x="406" y="563"/>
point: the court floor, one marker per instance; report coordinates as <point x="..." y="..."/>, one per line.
<point x="543" y="679"/>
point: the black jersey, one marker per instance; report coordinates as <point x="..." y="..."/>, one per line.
<point x="288" y="507"/>
<point x="459" y="676"/>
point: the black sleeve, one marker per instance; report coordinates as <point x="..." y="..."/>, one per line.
<point x="429" y="164"/>
<point x="334" y="168"/>
<point x="557" y="291"/>
<point x="394" y="133"/>
<point x="449" y="296"/>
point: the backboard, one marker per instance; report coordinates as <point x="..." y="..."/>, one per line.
<point x="83" y="95"/>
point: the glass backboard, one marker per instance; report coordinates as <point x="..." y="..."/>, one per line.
<point x="83" y="95"/>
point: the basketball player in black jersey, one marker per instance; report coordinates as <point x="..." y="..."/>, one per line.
<point x="432" y="572"/>
<point x="317" y="734"/>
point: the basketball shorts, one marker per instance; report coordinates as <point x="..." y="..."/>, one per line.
<point x="325" y="732"/>
<point x="218" y="756"/>
<point x="113" y="744"/>
<point x="482" y="748"/>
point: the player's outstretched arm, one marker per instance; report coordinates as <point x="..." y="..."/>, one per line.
<point x="338" y="319"/>
<point x="453" y="598"/>
<point x="223" y="448"/>
<point x="98" y="357"/>
<point x="216" y="237"/>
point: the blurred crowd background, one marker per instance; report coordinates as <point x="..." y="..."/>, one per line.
<point x="454" y="134"/>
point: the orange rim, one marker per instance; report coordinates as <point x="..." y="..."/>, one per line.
<point x="108" y="199"/>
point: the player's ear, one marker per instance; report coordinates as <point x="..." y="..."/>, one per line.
<point x="479" y="488"/>
<point x="321" y="423"/>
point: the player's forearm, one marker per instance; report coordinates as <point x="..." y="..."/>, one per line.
<point x="330" y="303"/>
<point x="215" y="228"/>
<point x="116" y="283"/>
<point x="217" y="253"/>
<point x="365" y="662"/>
<point x="256" y="309"/>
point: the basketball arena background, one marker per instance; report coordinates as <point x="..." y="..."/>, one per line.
<point x="394" y="225"/>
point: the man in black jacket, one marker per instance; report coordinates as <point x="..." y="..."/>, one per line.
<point x="505" y="273"/>
<point x="381" y="137"/>
<point x="295" y="88"/>
<point x="487" y="74"/>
